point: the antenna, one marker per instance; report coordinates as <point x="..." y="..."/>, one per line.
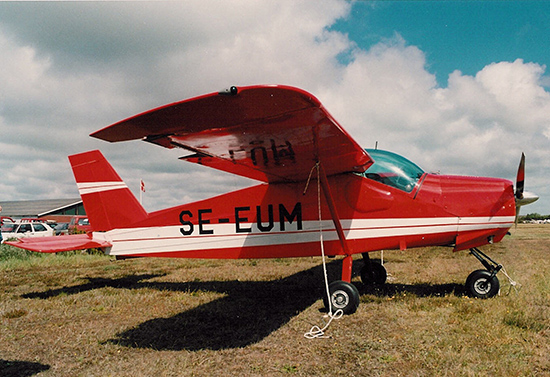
<point x="376" y="145"/>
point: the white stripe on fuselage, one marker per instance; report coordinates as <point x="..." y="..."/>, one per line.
<point x="95" y="187"/>
<point x="169" y="238"/>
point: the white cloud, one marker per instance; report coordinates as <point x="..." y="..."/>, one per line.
<point x="384" y="91"/>
<point x="503" y="110"/>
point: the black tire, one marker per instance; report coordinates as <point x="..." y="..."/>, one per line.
<point x="379" y="274"/>
<point x="343" y="296"/>
<point x="480" y="284"/>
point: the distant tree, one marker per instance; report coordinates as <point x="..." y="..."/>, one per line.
<point x="533" y="216"/>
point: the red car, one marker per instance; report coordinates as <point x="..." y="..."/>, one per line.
<point x="79" y="224"/>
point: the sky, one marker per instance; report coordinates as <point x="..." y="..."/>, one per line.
<point x="458" y="87"/>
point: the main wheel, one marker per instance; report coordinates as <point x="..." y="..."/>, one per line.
<point x="344" y="296"/>
<point x="480" y="284"/>
<point x="378" y="276"/>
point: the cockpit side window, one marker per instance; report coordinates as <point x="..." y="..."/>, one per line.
<point x="393" y="170"/>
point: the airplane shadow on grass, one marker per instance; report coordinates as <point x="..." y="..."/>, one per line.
<point x="21" y="368"/>
<point x="419" y="290"/>
<point x="249" y="312"/>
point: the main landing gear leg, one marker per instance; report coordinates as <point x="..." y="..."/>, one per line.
<point x="343" y="294"/>
<point x="347" y="266"/>
<point x="483" y="283"/>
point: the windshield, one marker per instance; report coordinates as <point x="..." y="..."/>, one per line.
<point x="393" y="170"/>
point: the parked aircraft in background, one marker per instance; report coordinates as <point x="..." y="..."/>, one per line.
<point x="321" y="193"/>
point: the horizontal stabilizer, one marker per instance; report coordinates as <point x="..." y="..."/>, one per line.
<point x="57" y="244"/>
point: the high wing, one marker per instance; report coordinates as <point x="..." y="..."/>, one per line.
<point x="268" y="133"/>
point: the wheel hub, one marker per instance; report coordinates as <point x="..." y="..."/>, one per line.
<point x="483" y="286"/>
<point x="340" y="299"/>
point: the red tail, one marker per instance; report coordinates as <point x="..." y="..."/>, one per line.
<point x="109" y="203"/>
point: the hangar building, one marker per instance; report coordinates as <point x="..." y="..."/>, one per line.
<point x="58" y="210"/>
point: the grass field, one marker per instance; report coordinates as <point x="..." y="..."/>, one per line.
<point x="87" y="315"/>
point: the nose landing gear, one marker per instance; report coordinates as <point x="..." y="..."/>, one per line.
<point x="483" y="283"/>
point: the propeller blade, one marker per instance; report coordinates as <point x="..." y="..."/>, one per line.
<point x="522" y="198"/>
<point x="520" y="180"/>
<point x="528" y="198"/>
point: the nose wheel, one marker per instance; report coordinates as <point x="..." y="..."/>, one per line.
<point x="483" y="283"/>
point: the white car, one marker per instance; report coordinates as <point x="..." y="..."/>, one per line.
<point x="25" y="229"/>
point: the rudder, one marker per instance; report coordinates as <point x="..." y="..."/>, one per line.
<point x="108" y="201"/>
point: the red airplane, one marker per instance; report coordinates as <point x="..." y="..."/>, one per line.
<point x="321" y="193"/>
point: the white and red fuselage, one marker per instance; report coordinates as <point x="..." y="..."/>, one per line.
<point x="280" y="220"/>
<point x="276" y="221"/>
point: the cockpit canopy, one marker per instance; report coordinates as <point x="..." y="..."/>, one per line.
<point x="393" y="170"/>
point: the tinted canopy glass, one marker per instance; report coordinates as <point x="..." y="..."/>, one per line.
<point x="393" y="170"/>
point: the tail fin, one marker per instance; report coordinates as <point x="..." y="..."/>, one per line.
<point x="108" y="202"/>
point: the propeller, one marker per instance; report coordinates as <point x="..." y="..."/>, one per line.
<point x="522" y="197"/>
<point x="520" y="179"/>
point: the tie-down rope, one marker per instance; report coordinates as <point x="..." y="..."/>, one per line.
<point x="316" y="331"/>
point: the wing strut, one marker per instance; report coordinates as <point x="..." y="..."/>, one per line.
<point x="347" y="263"/>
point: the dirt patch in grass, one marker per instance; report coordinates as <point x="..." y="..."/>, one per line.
<point x="86" y="315"/>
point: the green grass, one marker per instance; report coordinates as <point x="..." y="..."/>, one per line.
<point x="13" y="257"/>
<point x="10" y="254"/>
<point x="87" y="315"/>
